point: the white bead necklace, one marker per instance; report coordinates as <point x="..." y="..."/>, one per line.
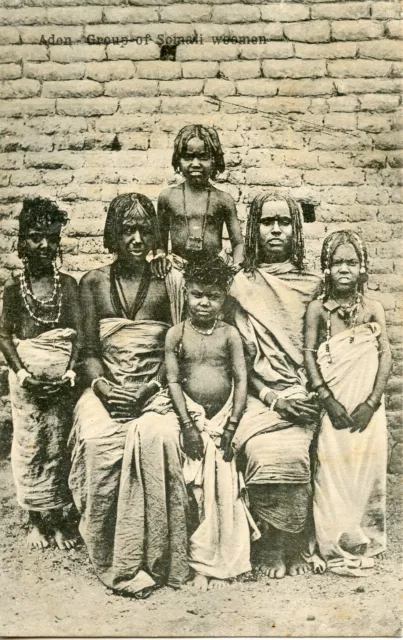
<point x="52" y="304"/>
<point x="208" y="332"/>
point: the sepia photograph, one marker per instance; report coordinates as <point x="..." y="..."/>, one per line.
<point x="201" y="346"/>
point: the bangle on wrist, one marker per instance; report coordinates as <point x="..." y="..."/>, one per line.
<point x="22" y="375"/>
<point x="157" y="383"/>
<point x="323" y="393"/>
<point x="263" y="393"/>
<point x="231" y="424"/>
<point x="99" y="379"/>
<point x="186" y="424"/>
<point x="373" y="404"/>
<point x="273" y="404"/>
<point x="70" y="375"/>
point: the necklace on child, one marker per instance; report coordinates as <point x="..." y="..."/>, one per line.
<point x="50" y="307"/>
<point x="207" y="332"/>
<point x="195" y="243"/>
<point x="349" y="313"/>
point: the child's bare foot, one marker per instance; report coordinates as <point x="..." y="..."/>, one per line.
<point x="36" y="539"/>
<point x="64" y="539"/>
<point x="274" y="566"/>
<point x="296" y="565"/>
<point x="215" y="583"/>
<point x="200" y="583"/>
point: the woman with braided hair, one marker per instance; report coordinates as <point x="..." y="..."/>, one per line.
<point x="128" y="519"/>
<point x="275" y="433"/>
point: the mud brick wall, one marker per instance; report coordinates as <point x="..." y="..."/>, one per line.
<point x="89" y="110"/>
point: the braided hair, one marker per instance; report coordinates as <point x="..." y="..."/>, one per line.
<point x="211" y="142"/>
<point x="126" y="203"/>
<point x="252" y="238"/>
<point x="330" y="244"/>
<point x="38" y="213"/>
<point x="208" y="269"/>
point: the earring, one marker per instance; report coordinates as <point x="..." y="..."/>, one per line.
<point x="326" y="271"/>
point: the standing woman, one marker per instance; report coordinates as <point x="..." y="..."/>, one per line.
<point x="40" y="326"/>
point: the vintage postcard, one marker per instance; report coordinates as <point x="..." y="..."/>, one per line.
<point x="200" y="333"/>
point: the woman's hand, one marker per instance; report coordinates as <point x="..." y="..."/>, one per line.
<point x="226" y="444"/>
<point x="43" y="388"/>
<point x="297" y="411"/>
<point x="121" y="403"/>
<point x="337" y="414"/>
<point x="361" y="417"/>
<point x="193" y="444"/>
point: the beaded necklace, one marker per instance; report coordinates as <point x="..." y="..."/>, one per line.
<point x="47" y="306"/>
<point x="350" y="314"/>
<point x="208" y="332"/>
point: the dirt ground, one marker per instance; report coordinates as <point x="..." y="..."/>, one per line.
<point x="57" y="594"/>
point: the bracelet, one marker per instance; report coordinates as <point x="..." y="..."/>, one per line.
<point x="93" y="383"/>
<point x="323" y="393"/>
<point x="263" y="393"/>
<point x="372" y="404"/>
<point x="70" y="375"/>
<point x="273" y="404"/>
<point x="22" y="374"/>
<point x="186" y="424"/>
<point x="232" y="424"/>
<point x="157" y="382"/>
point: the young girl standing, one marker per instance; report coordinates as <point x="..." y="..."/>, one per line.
<point x="39" y="332"/>
<point x="194" y="212"/>
<point x="348" y="361"/>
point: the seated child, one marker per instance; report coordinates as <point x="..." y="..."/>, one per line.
<point x="194" y="212"/>
<point x="38" y="337"/>
<point x="348" y="361"/>
<point x="207" y="381"/>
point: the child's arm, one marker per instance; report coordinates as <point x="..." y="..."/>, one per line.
<point x="337" y="413"/>
<point x="163" y="218"/>
<point x="93" y="367"/>
<point x="7" y="327"/>
<point x="160" y="265"/>
<point x="192" y="440"/>
<point x="8" y="323"/>
<point x="364" y="412"/>
<point x="74" y="321"/>
<point x="234" y="231"/>
<point x="239" y="376"/>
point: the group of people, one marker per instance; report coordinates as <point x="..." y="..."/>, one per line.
<point x="231" y="409"/>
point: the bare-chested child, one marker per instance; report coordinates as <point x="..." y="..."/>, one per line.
<point x="206" y="375"/>
<point x="348" y="361"/>
<point x="195" y="212"/>
<point x="39" y="337"/>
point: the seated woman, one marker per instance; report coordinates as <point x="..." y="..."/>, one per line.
<point x="274" y="436"/>
<point x="136" y="538"/>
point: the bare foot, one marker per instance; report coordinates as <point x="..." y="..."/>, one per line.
<point x="297" y="565"/>
<point x="274" y="566"/>
<point x="318" y="564"/>
<point x="215" y="583"/>
<point x="64" y="540"/>
<point x="36" y="539"/>
<point x="200" y="583"/>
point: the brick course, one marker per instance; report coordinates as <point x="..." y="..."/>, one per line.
<point x="325" y="77"/>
